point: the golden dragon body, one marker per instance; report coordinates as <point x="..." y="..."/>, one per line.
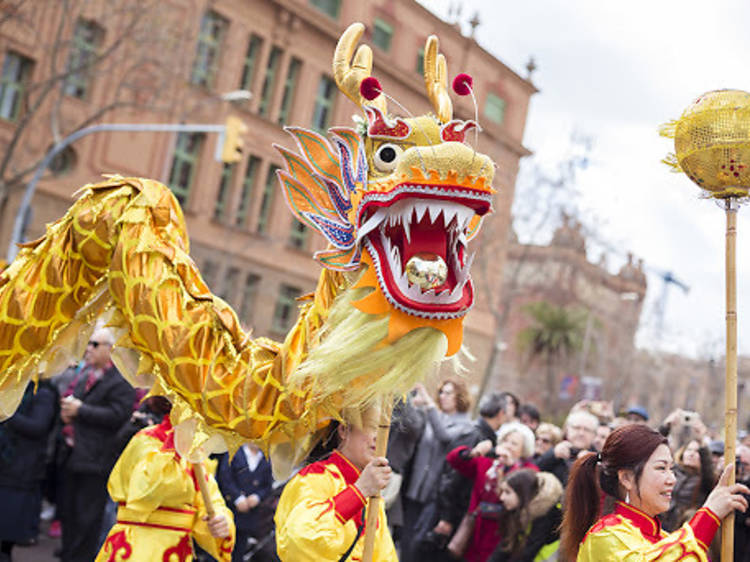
<point x="397" y="199"/>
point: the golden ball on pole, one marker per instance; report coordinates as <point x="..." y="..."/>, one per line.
<point x="712" y="143"/>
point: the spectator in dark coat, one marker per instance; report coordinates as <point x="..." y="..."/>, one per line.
<point x="244" y="482"/>
<point x="99" y="402"/>
<point x="446" y="420"/>
<point x="580" y="430"/>
<point x="23" y="444"/>
<point x="694" y="480"/>
<point x="407" y="426"/>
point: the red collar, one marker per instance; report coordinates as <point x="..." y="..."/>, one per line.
<point x="648" y="526"/>
<point x="345" y="466"/>
<point x="164" y="432"/>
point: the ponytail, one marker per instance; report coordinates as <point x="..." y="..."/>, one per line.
<point x="627" y="448"/>
<point x="582" y="496"/>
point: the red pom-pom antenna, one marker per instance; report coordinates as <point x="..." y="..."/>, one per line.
<point x="370" y="88"/>
<point x="463" y="84"/>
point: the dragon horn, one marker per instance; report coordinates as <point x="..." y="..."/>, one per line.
<point x="349" y="76"/>
<point x="436" y="80"/>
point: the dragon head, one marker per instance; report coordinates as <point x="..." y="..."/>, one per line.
<point x="399" y="197"/>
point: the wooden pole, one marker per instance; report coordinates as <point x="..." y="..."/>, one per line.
<point x="373" y="505"/>
<point x="730" y="391"/>
<point x="200" y="476"/>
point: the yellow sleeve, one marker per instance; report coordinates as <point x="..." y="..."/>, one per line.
<point x="221" y="549"/>
<point x="624" y="542"/>
<point x="310" y="525"/>
<point x="145" y="477"/>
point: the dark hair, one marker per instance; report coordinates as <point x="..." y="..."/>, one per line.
<point x="462" y="393"/>
<point x="513" y="522"/>
<point x="323" y="448"/>
<point x="627" y="448"/>
<point x="531" y="411"/>
<point x="491" y="404"/>
<point x="509" y="396"/>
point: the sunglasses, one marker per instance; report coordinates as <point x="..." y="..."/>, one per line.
<point x="544" y="440"/>
<point x="96" y="344"/>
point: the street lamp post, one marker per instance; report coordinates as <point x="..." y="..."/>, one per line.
<point x="19" y="226"/>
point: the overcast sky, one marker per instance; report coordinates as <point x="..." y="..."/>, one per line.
<point x="616" y="71"/>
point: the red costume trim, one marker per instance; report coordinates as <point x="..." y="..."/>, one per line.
<point x="348" y="503"/>
<point x="172" y="509"/>
<point x="649" y="526"/>
<point x="155" y="525"/>
<point x="705" y="523"/>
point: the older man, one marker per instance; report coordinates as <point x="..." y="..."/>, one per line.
<point x="94" y="407"/>
<point x="580" y="430"/>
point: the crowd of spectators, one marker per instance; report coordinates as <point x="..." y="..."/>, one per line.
<point x="484" y="489"/>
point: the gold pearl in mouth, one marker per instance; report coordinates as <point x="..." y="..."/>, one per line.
<point x="426" y="270"/>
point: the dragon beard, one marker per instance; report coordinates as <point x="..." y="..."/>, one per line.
<point x="354" y="347"/>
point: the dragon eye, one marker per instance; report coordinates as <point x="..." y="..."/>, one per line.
<point x="386" y="157"/>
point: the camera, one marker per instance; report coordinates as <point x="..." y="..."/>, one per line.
<point x="574" y="452"/>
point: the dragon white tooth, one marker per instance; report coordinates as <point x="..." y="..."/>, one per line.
<point x="450" y="213"/>
<point x="435" y="211"/>
<point x="407" y="231"/>
<point x="420" y="209"/>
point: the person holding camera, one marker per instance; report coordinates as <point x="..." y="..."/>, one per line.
<point x="515" y="445"/>
<point x="580" y="430"/>
<point x="694" y="479"/>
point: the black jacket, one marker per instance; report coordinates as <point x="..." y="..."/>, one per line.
<point x="105" y="408"/>
<point x="23" y="438"/>
<point x="235" y="479"/>
<point x="545" y="517"/>
<point x="454" y="490"/>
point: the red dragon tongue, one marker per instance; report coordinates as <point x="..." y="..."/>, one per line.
<point x="427" y="238"/>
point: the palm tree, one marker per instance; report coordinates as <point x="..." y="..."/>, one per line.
<point x="556" y="332"/>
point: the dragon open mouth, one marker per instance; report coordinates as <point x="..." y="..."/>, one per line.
<point x="419" y="224"/>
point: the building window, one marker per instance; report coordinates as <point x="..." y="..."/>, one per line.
<point x="225" y="184"/>
<point x="230" y="284"/>
<point x="382" y="34"/>
<point x="247" y="190"/>
<point x="298" y="235"/>
<point x="13" y="83"/>
<point x="324" y="104"/>
<point x="494" y="108"/>
<point x="87" y="38"/>
<point x="329" y="7"/>
<point x="249" y="293"/>
<point x="289" y="86"/>
<point x="186" y="153"/>
<point x="210" y="36"/>
<point x="251" y="59"/>
<point x="265" y="205"/>
<point x="286" y="306"/>
<point x="420" y="61"/>
<point x="268" y="82"/>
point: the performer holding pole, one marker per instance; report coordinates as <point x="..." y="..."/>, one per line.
<point x="712" y="146"/>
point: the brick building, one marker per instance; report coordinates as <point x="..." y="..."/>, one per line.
<point x="194" y="62"/>
<point x="561" y="274"/>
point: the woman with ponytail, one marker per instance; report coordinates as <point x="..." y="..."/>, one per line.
<point x="635" y="468"/>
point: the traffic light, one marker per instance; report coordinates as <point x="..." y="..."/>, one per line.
<point x="231" y="151"/>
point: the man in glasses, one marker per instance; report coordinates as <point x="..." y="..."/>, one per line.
<point x="96" y="404"/>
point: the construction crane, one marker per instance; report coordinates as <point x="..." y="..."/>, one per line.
<point x="660" y="307"/>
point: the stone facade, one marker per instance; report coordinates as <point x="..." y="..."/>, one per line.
<point x="560" y="274"/>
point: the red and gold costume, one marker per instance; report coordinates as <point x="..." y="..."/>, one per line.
<point x="160" y="506"/>
<point x="319" y="514"/>
<point x="630" y="534"/>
